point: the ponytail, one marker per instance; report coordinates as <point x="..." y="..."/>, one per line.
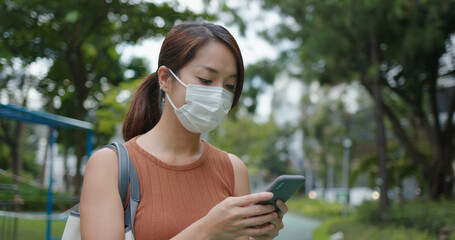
<point x="145" y="110"/>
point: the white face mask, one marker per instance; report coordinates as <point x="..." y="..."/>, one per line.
<point x="205" y="107"/>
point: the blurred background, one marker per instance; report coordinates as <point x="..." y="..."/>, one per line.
<point x="358" y="96"/>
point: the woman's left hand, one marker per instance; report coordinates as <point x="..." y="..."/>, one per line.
<point x="277" y="222"/>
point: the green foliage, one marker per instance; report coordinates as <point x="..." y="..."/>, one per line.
<point x="325" y="123"/>
<point x="261" y="146"/>
<point x="314" y="208"/>
<point x="353" y="230"/>
<point x="399" y="166"/>
<point x="113" y="109"/>
<point x="399" y="43"/>
<point x="322" y="232"/>
<point x="80" y="38"/>
<point x="35" y="199"/>
<point x="428" y="216"/>
<point x="257" y="76"/>
<point x="5" y="162"/>
<point x="368" y="212"/>
<point x="431" y="216"/>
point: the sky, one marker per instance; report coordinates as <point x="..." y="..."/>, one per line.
<point x="253" y="47"/>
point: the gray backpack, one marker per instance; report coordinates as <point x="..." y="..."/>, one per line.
<point x="127" y="176"/>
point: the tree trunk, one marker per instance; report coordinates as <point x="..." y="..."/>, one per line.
<point x="66" y="177"/>
<point x="80" y="153"/>
<point x="380" y="129"/>
<point x="17" y="150"/>
<point x="441" y="177"/>
<point x="50" y="109"/>
<point x="46" y="152"/>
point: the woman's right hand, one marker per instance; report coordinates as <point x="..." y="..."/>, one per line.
<point x="239" y="216"/>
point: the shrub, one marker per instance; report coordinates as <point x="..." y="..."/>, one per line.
<point x="431" y="216"/>
<point x="368" y="212"/>
<point x="314" y="208"/>
<point x="322" y="232"/>
<point x="353" y="229"/>
<point x="35" y="199"/>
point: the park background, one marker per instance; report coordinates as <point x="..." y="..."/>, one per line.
<point x="353" y="94"/>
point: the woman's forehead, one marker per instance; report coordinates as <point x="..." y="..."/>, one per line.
<point x="215" y="57"/>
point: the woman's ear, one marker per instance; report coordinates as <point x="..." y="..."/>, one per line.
<point x="164" y="78"/>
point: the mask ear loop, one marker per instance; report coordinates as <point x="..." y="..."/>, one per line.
<point x="178" y="79"/>
<point x="170" y="101"/>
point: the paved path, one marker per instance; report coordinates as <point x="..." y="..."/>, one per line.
<point x="297" y="227"/>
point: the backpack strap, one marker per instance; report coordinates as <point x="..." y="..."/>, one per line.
<point x="123" y="170"/>
<point x="127" y="176"/>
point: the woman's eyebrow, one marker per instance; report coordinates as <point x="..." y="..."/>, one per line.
<point x="210" y="69"/>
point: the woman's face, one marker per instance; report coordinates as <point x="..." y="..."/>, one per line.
<point x="214" y="65"/>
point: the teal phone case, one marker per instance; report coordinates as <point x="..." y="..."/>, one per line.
<point x="283" y="187"/>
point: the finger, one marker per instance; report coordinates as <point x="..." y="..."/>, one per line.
<point x="252" y="198"/>
<point x="256" y="210"/>
<point x="282" y="208"/>
<point x="263" y="237"/>
<point x="278" y="223"/>
<point x="263" y="229"/>
<point x="259" y="220"/>
<point x="270" y="234"/>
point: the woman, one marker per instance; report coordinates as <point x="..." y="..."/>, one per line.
<point x="189" y="189"/>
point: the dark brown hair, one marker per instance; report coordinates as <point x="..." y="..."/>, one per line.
<point x="179" y="47"/>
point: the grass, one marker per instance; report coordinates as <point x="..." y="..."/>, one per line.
<point x="314" y="208"/>
<point x="322" y="232"/>
<point x="36" y="229"/>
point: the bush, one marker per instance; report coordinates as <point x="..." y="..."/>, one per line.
<point x="368" y="212"/>
<point x="322" y="232"/>
<point x="431" y="216"/>
<point x="35" y="199"/>
<point x="314" y="208"/>
<point x="354" y="229"/>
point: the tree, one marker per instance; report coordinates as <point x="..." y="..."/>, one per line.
<point x="394" y="49"/>
<point x="325" y="124"/>
<point x="80" y="37"/>
<point x="261" y="145"/>
<point x="17" y="83"/>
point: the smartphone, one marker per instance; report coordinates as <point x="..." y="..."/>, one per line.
<point x="283" y="187"/>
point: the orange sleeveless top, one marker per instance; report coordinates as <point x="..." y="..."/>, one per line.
<point x="175" y="196"/>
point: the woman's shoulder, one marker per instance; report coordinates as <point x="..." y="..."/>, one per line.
<point x="103" y="156"/>
<point x="103" y="162"/>
<point x="236" y="162"/>
<point x="240" y="176"/>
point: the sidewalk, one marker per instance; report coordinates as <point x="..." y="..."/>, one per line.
<point x="297" y="227"/>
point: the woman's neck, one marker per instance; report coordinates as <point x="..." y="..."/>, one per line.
<point x="170" y="142"/>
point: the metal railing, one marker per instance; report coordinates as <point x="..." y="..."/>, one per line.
<point x="10" y="203"/>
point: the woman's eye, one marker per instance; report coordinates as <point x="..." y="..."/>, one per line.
<point x="206" y="81"/>
<point x="230" y="86"/>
